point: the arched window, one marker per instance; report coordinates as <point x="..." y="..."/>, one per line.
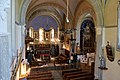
<point x="41" y="34"/>
<point x="31" y="32"/>
<point x="52" y="34"/>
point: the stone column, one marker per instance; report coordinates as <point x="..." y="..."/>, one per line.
<point x="5" y="58"/>
<point x="97" y="73"/>
<point x="19" y="37"/>
<point x="100" y="38"/>
<point x="23" y="41"/>
<point x="23" y="34"/>
<point x="13" y="28"/>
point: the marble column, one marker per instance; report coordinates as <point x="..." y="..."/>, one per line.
<point x="13" y="28"/>
<point x="18" y="37"/>
<point x="5" y="58"/>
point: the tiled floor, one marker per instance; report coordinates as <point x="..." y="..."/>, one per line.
<point x="56" y="70"/>
<point x="57" y="75"/>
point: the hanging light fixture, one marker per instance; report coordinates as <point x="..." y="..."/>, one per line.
<point x="67" y="20"/>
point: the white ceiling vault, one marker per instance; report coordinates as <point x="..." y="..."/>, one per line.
<point x="58" y="8"/>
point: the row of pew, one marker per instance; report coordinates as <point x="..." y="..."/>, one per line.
<point x="77" y="74"/>
<point x="40" y="75"/>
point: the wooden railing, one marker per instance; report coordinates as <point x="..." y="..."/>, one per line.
<point x="17" y="65"/>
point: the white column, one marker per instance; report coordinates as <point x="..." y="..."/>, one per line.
<point x="18" y="37"/>
<point x="4" y="6"/>
<point x="97" y="73"/>
<point x="23" y="34"/>
<point x="23" y="41"/>
<point x="13" y="38"/>
<point x="5" y="58"/>
<point x="78" y="35"/>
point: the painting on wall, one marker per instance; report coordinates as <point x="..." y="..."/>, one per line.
<point x="109" y="51"/>
<point x="36" y="35"/>
<point x="47" y="35"/>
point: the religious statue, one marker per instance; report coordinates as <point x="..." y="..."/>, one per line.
<point x="102" y="62"/>
<point x="77" y="48"/>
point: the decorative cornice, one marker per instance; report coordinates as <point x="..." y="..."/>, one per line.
<point x="110" y="26"/>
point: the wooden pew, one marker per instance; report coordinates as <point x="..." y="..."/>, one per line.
<point x="39" y="73"/>
<point x="73" y="73"/>
<point x="70" y="70"/>
<point x="77" y="75"/>
<point x="39" y="76"/>
<point x="89" y="77"/>
<point x="45" y="78"/>
<point x="37" y="63"/>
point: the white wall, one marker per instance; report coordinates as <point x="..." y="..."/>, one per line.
<point x="113" y="72"/>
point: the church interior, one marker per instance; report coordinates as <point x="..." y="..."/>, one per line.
<point x="60" y="40"/>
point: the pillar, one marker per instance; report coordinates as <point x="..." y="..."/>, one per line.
<point x="98" y="51"/>
<point x="5" y="57"/>
<point x="100" y="38"/>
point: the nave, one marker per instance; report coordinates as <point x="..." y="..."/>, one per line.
<point x="50" y="71"/>
<point x="86" y="31"/>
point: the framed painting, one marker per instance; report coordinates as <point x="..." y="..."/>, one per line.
<point x="47" y="35"/>
<point x="36" y="34"/>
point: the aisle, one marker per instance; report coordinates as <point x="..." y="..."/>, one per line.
<point x="57" y="74"/>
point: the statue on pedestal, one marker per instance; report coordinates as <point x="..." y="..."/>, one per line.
<point x="102" y="62"/>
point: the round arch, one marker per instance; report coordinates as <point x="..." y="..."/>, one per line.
<point x="25" y="7"/>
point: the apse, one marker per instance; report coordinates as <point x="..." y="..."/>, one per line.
<point x="44" y="21"/>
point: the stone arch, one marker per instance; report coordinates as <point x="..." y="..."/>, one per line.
<point x="25" y="7"/>
<point x="96" y="7"/>
<point x="93" y="8"/>
<point x="58" y="20"/>
<point x="87" y="28"/>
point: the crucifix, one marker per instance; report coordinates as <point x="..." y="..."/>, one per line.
<point x="72" y="43"/>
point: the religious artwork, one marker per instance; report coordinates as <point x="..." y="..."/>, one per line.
<point x="61" y="37"/>
<point x="87" y="37"/>
<point x="87" y="41"/>
<point x="109" y="52"/>
<point x="47" y="35"/>
<point x="102" y="62"/>
<point x="36" y="35"/>
<point x="77" y="48"/>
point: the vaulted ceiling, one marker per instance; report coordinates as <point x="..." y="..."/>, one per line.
<point x="58" y="9"/>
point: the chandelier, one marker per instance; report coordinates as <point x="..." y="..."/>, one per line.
<point x="67" y="20"/>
